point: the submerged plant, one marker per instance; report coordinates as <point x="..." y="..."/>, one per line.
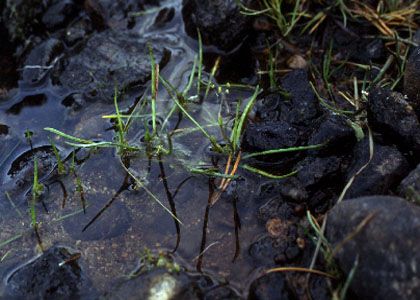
<point x="37" y="190"/>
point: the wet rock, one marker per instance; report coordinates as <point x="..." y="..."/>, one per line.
<point x="304" y="107"/>
<point x="297" y="106"/>
<point x="392" y="115"/>
<point x="270" y="135"/>
<point x="41" y="60"/>
<point x="59" y="13"/>
<point x="336" y="133"/>
<point x="279" y="244"/>
<point x="288" y="121"/>
<point x="276" y="208"/>
<point x="409" y="188"/>
<point x="56" y="274"/>
<point x="290" y="189"/>
<point x="314" y="171"/>
<point x="412" y="79"/>
<point x="220" y="22"/>
<point x="270" y="286"/>
<point x="387" y="246"/>
<point x="111" y="59"/>
<point x="386" y="169"/>
<point x="112" y="222"/>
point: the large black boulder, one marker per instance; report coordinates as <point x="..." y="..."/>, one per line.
<point x="387" y="246"/>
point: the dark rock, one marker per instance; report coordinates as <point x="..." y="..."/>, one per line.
<point x="392" y="115"/>
<point x="290" y="189"/>
<point x="412" y="79"/>
<point x="268" y="250"/>
<point x="336" y="133"/>
<point x="297" y="106"/>
<point x="220" y="22"/>
<point x="287" y="122"/>
<point x="313" y="171"/>
<point x="409" y="188"/>
<point x="111" y="59"/>
<point x="386" y="169"/>
<point x="304" y="106"/>
<point x="56" y="274"/>
<point x="270" y="286"/>
<point x="270" y="135"/>
<point x="387" y="246"/>
<point x="276" y="208"/>
<point x="112" y="222"/>
<point x="59" y="13"/>
<point x="41" y="60"/>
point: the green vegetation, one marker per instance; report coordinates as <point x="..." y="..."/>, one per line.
<point x="158" y="141"/>
<point x="37" y="190"/>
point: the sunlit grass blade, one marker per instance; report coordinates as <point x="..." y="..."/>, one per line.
<point x="238" y="128"/>
<point x="67" y="136"/>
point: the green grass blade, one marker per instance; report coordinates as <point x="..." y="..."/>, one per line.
<point x="200" y="62"/>
<point x="284" y="150"/>
<point x="266" y="174"/>
<point x="238" y="130"/>
<point x="67" y="136"/>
